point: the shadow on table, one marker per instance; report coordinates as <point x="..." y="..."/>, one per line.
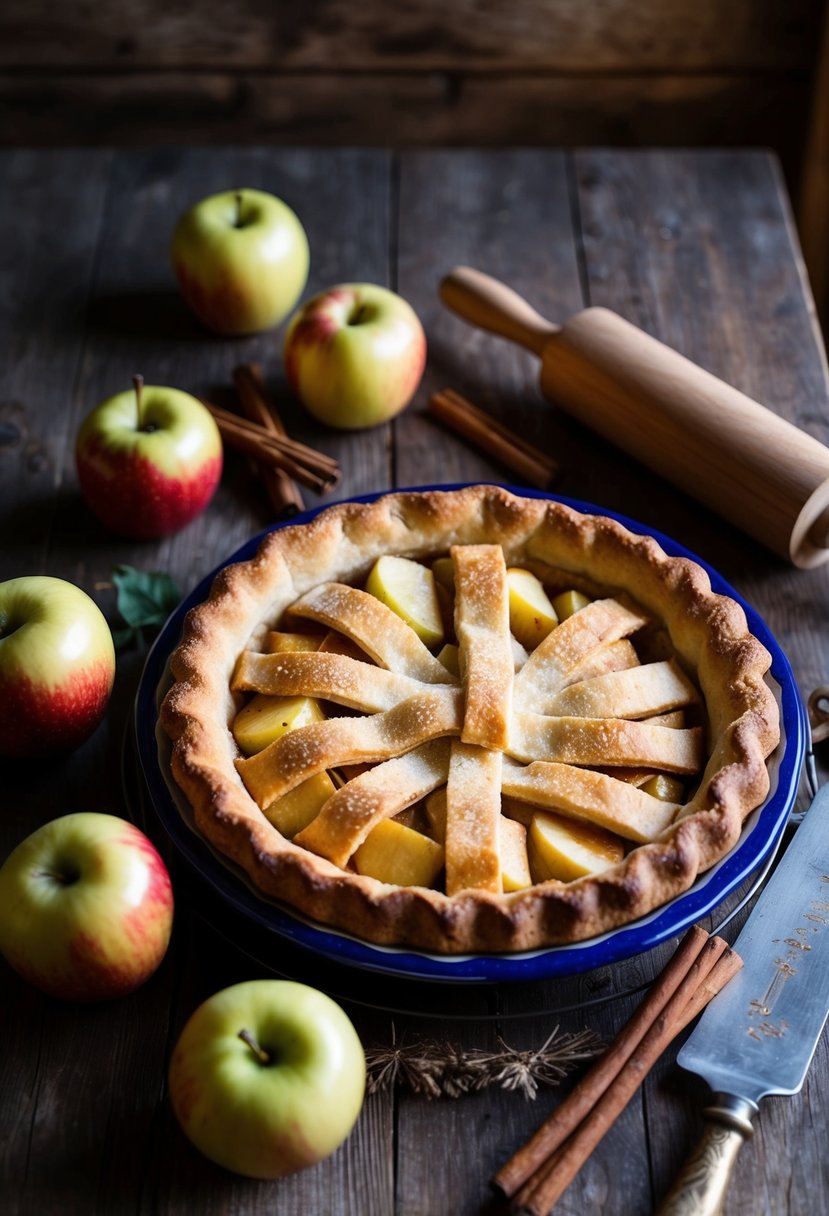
<point x="158" y="316"/>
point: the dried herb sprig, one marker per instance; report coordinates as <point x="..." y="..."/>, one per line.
<point x="434" y="1068"/>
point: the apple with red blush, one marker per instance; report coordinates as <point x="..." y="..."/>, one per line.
<point x="57" y="666"/>
<point x="354" y="355"/>
<point x="241" y="260"/>
<point x="267" y="1077"/>
<point x="149" y="460"/>
<point x="86" y="907"/>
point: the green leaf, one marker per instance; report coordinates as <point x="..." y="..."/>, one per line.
<point x="145" y="600"/>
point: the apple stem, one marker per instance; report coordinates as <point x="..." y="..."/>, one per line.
<point x="138" y="385"/>
<point x="238" y="223"/>
<point x="66" y="877"/>
<point x="247" y="1037"/>
<point x="359" y="314"/>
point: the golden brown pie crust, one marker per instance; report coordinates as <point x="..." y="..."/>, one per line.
<point x="708" y="635"/>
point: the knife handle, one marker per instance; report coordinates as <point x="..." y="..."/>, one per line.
<point x="701" y="1186"/>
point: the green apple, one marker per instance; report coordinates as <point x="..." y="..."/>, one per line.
<point x="57" y="666"/>
<point x="149" y="460"/>
<point x="267" y="1077"/>
<point x="86" y="907"/>
<point x="241" y="260"/>
<point x="354" y="355"/>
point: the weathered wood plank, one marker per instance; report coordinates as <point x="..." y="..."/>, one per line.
<point x="46" y="271"/>
<point x="488" y="211"/>
<point x="405" y="109"/>
<point x="813" y="207"/>
<point x="55" y="207"/>
<point x="613" y="35"/>
<point x="50" y="209"/>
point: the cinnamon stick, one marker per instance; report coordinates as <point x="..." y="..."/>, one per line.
<point x="543" y="1190"/>
<point x="311" y="468"/>
<point x="492" y="437"/>
<point x="282" y="490"/>
<point x="457" y="399"/>
<point x="244" y="441"/>
<point x="306" y="455"/>
<point x="723" y="971"/>
<point x="555" y="1130"/>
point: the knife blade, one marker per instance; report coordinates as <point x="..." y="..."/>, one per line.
<point x="758" y="1036"/>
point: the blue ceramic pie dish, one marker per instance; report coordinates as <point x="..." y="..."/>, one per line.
<point x="760" y="836"/>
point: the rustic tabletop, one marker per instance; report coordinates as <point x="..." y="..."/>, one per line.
<point x="696" y="247"/>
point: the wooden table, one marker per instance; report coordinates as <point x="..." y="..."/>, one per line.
<point x="696" y="247"/>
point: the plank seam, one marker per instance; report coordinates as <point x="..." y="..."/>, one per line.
<point x="393" y="72"/>
<point x="574" y="199"/>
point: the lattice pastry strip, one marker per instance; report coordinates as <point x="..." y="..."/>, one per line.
<point x="554" y="660"/>
<point x="638" y="692"/>
<point x="482" y="626"/>
<point x="303" y="753"/>
<point x="605" y="741"/>
<point x="473" y="812"/>
<point x="334" y="677"/>
<point x="349" y="815"/>
<point x="613" y="656"/>
<point x="379" y="631"/>
<point x="584" y="794"/>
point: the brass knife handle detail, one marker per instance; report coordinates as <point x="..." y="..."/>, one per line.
<point x="702" y="1184"/>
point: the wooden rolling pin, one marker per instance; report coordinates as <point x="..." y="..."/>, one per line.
<point x="754" y="468"/>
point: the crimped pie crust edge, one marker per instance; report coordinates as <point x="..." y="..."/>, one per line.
<point x="708" y="631"/>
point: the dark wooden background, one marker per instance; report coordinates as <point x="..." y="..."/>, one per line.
<point x="552" y="73"/>
<point x="699" y="249"/>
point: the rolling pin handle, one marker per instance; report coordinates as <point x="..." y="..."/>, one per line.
<point x="485" y="302"/>
<point x="819" y="531"/>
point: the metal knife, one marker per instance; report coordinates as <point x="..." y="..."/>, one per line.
<point x="758" y="1036"/>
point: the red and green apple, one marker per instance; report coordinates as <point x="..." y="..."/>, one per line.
<point x="267" y="1077"/>
<point x="57" y="666"/>
<point x="241" y="260"/>
<point x="149" y="460"/>
<point x="354" y="355"/>
<point x="86" y="907"/>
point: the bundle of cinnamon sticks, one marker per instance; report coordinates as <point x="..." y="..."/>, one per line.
<point x="261" y="434"/>
<point x="538" y="1174"/>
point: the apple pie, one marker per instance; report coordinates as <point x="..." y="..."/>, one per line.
<point x="466" y="721"/>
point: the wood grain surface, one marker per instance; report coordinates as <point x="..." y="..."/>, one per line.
<point x="696" y="247"/>
<point x="661" y="72"/>
<point x="128" y="34"/>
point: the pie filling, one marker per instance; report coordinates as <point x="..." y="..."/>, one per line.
<point x="418" y="741"/>
<point x="521" y="727"/>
